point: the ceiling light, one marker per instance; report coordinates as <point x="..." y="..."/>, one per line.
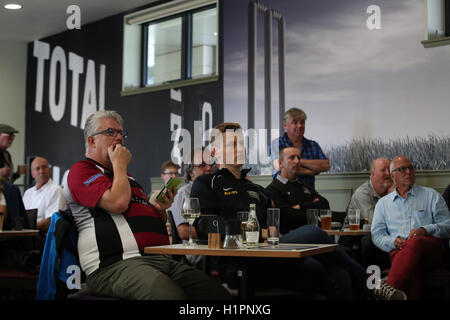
<point x="13" y="6"/>
<point x="215" y="33"/>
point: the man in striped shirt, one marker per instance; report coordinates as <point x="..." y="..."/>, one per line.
<point x="115" y="222"/>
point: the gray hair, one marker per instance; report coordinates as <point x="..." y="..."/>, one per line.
<point x="92" y="122"/>
<point x="294" y="113"/>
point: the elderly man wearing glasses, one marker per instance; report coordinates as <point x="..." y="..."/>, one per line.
<point x="115" y="222"/>
<point x="7" y="134"/>
<point x="409" y="223"/>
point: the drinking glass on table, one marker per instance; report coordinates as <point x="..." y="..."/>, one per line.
<point x="354" y="216"/>
<point x="191" y="211"/>
<point x="243" y="218"/>
<point x="325" y="219"/>
<point x="312" y="216"/>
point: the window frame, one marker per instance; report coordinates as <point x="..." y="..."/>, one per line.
<point x="186" y="49"/>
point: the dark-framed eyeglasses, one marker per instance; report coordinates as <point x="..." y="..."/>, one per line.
<point x="111" y="132"/>
<point x="403" y="169"/>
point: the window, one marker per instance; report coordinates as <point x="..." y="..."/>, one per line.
<point x="171" y="45"/>
<point x="437" y="23"/>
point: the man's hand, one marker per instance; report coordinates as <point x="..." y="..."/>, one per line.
<point x="119" y="155"/>
<point x="417" y="232"/>
<point x="163" y="206"/>
<point x="399" y="243"/>
<point x="297" y="206"/>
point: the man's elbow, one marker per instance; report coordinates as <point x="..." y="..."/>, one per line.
<point x="118" y="206"/>
<point x="326" y="166"/>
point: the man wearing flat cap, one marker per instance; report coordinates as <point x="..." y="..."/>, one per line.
<point x="6" y="166"/>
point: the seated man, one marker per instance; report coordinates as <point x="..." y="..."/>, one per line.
<point x="365" y="198"/>
<point x="409" y="223"/>
<point x="227" y="191"/>
<point x="191" y="172"/>
<point x="46" y="196"/>
<point x="169" y="169"/>
<point x="115" y="222"/>
<point x="313" y="161"/>
<point x="291" y="195"/>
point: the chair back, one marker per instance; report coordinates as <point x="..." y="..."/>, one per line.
<point x="31" y="218"/>
<point x="175" y="237"/>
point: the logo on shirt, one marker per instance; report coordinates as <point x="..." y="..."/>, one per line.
<point x="229" y="191"/>
<point x="253" y="194"/>
<point x="92" y="179"/>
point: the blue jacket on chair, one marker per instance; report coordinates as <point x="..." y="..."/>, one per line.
<point x="59" y="253"/>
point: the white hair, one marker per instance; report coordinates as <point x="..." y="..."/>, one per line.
<point x="92" y="122"/>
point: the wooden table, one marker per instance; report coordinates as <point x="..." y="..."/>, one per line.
<point x="285" y="250"/>
<point x="348" y="232"/>
<point x="19" y="233"/>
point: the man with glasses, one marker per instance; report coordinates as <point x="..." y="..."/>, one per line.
<point x="7" y="134"/>
<point x="115" y="222"/>
<point x="191" y="171"/>
<point x="169" y="169"/>
<point x="409" y="223"/>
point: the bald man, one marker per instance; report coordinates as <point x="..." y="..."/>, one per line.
<point x="46" y="195"/>
<point x="409" y="223"/>
<point x="365" y="198"/>
<point x="379" y="184"/>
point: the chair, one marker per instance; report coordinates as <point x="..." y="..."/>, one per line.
<point x="14" y="282"/>
<point x="175" y="236"/>
<point x="31" y="215"/>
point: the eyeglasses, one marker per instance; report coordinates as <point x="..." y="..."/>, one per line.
<point x="172" y="173"/>
<point x="403" y="169"/>
<point x="111" y="132"/>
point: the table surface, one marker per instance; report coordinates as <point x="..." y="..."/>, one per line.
<point x="18" y="233"/>
<point x="348" y="232"/>
<point x="285" y="250"/>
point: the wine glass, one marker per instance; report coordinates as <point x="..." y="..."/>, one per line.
<point x="191" y="211"/>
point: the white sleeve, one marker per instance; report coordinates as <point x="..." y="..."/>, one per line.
<point x="55" y="202"/>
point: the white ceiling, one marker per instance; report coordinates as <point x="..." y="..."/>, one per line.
<point x="41" y="18"/>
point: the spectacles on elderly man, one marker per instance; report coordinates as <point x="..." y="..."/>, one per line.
<point x="111" y="132"/>
<point x="403" y="169"/>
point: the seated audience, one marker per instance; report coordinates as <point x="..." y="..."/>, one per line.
<point x="191" y="172"/>
<point x="409" y="223"/>
<point x="365" y="198"/>
<point x="116" y="222"/>
<point x="291" y="195"/>
<point x="227" y="191"/>
<point x="46" y="196"/>
<point x="313" y="161"/>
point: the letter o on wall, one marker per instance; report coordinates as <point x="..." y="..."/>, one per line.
<point x="57" y="109"/>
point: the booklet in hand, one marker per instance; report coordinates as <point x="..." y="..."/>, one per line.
<point x="173" y="182"/>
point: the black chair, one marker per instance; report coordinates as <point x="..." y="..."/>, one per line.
<point x="175" y="236"/>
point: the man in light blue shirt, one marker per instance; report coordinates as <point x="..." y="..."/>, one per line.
<point x="409" y="223"/>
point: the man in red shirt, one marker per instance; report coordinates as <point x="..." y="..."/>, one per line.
<point x="115" y="222"/>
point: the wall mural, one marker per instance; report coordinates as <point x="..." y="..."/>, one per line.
<point x="357" y="68"/>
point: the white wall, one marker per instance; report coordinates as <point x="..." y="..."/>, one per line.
<point x="13" y="66"/>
